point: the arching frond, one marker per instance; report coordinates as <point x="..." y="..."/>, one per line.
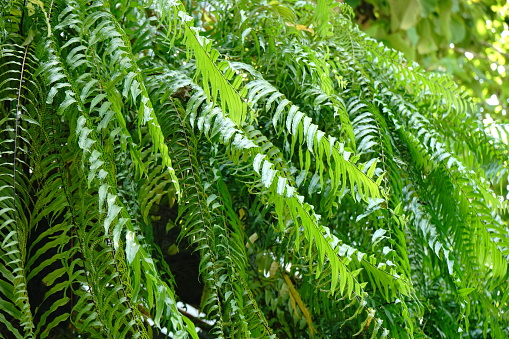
<point x="264" y="162"/>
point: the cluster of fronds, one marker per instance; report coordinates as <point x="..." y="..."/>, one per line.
<point x="322" y="185"/>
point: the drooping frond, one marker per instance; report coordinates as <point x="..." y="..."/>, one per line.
<point x="264" y="162"/>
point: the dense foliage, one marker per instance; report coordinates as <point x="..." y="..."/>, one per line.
<point x="266" y="162"/>
<point x="466" y="38"/>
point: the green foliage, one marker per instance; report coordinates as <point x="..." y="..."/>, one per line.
<point x="266" y="162"/>
<point x="468" y="39"/>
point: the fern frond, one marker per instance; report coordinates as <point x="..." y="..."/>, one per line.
<point x="16" y="68"/>
<point x="289" y="206"/>
<point x="115" y="218"/>
<point x="207" y="228"/>
<point x="312" y="181"/>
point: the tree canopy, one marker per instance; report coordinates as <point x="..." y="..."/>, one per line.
<point x="265" y="162"/>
